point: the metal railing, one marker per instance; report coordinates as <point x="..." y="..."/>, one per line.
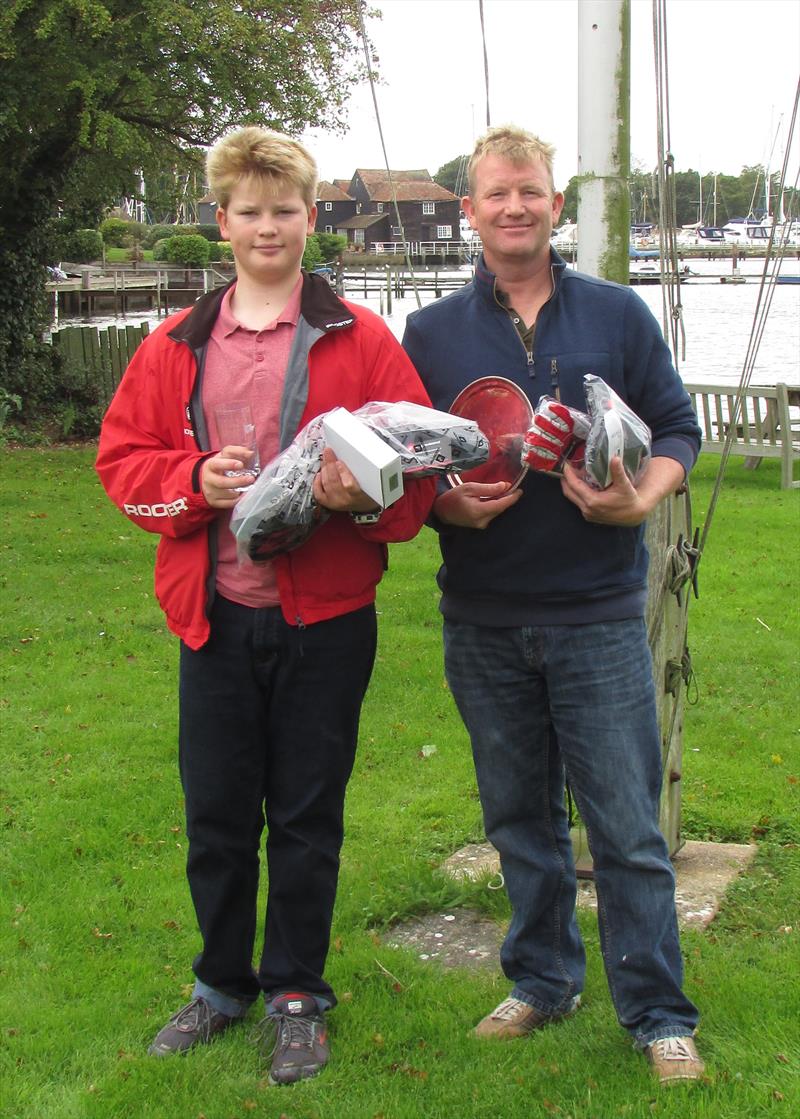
<point x="425" y="248"/>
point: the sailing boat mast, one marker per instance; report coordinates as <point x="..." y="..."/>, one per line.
<point x="604" y="31"/>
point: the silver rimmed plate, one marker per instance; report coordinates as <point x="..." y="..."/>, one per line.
<point x="503" y="413"/>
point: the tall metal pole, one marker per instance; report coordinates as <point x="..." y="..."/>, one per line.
<point x="604" y="148"/>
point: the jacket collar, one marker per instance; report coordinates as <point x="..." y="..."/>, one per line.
<point x="485" y="280"/>
<point x="320" y="306"/>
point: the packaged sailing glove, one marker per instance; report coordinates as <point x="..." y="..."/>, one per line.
<point x="615" y="432"/>
<point x="555" y="436"/>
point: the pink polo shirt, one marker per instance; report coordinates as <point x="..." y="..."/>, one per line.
<point x="243" y="364"/>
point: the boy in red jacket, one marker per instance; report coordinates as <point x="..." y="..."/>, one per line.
<point x="275" y="657"/>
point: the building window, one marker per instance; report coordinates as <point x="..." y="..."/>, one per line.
<point x="329" y="229"/>
<point x="358" y="236"/>
<point x="429" y="207"/>
<point x="380" y="207"/>
<point x="397" y="231"/>
<point x="444" y="232"/>
<point x="328" y="206"/>
<point x="358" y="207"/>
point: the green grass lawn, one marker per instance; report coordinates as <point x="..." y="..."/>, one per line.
<point x="98" y="934"/>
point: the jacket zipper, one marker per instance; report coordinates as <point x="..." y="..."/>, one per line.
<point x="554" y="378"/>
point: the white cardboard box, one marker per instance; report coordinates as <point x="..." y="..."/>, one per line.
<point x="375" y="466"/>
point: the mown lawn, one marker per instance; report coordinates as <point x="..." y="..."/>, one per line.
<point x="97" y="931"/>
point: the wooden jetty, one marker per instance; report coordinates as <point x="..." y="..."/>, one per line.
<point x="98" y="291"/>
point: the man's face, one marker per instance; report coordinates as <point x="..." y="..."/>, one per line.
<point x="513" y="209"/>
<point x="267" y="228"/>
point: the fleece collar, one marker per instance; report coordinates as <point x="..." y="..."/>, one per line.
<point x="485" y="280"/>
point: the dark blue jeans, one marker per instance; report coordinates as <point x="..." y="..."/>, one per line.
<point x="537" y="701"/>
<point x="268" y="727"/>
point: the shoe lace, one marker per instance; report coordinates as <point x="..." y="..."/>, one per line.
<point x="196" y="1015"/>
<point x="508" y="1009"/>
<point x="292" y="1031"/>
<point x="673" y="1049"/>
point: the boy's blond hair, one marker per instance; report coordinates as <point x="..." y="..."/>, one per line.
<point x="514" y="144"/>
<point x="270" y="156"/>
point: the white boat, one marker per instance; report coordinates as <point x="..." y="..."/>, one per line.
<point x="699" y="236"/>
<point x="565" y="236"/>
<point x="748" y="231"/>
<point x="649" y="272"/>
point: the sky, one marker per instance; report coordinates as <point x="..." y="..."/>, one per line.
<point x="733" y="72"/>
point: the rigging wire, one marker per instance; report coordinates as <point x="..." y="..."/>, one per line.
<point x="766" y="290"/>
<point x="672" y="308"/>
<point x="485" y="64"/>
<point x="392" y="188"/>
<point x="673" y="318"/>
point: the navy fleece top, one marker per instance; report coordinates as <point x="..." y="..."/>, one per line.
<point x="540" y="563"/>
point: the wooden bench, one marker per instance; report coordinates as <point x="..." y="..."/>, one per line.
<point x="765" y="428"/>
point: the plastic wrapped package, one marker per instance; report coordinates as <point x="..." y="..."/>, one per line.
<point x="557" y="435"/>
<point x="615" y="430"/>
<point x="278" y="512"/>
<point x="428" y="441"/>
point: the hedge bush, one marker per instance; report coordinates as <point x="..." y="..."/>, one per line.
<point x="82" y="246"/>
<point x="192" y="251"/>
<point x="210" y="232"/>
<point x="115" y="232"/>
<point x="331" y="244"/>
<point x="312" y="257"/>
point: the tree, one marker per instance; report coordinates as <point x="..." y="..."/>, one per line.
<point x="93" y="91"/>
<point x="453" y="175"/>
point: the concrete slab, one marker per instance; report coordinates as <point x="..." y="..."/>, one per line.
<point x="465" y="938"/>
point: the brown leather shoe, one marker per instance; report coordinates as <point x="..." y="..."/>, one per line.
<point x="194" y="1024"/>
<point x="675" y="1058"/>
<point x="514" y="1018"/>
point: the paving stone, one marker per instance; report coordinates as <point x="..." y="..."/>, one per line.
<point x="468" y="939"/>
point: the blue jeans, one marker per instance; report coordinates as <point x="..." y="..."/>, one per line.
<point x="538" y="701"/>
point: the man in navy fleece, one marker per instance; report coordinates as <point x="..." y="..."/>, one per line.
<point x="543" y="596"/>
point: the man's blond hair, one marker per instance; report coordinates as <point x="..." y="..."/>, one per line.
<point x="276" y="159"/>
<point x="514" y="144"/>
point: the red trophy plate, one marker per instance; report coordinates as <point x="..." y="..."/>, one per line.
<point x="503" y="413"/>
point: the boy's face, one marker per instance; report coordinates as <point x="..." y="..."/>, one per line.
<point x="267" y="226"/>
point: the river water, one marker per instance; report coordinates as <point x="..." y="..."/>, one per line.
<point x="718" y="321"/>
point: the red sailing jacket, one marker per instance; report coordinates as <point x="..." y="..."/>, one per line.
<point x="154" y="440"/>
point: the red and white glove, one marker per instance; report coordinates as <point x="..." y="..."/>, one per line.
<point x="557" y="434"/>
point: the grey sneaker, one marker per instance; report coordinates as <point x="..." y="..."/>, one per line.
<point x="194" y="1024"/>
<point x="300" y="1045"/>
<point x="675" y="1058"/>
<point x="514" y="1018"/>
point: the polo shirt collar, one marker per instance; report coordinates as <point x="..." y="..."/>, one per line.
<point x="227" y="323"/>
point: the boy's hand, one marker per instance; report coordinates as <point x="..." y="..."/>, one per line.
<point x="336" y="488"/>
<point x="219" y="489"/>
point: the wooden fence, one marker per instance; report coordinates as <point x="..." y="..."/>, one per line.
<point x="102" y="354"/>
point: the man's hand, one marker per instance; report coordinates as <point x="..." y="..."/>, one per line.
<point x="336" y="488"/>
<point x="475" y="504"/>
<point x="220" y="490"/>
<point x="622" y="503"/>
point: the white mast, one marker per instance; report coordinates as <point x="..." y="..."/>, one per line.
<point x="604" y="138"/>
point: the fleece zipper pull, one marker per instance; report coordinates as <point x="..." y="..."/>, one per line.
<point x="554" y="378"/>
